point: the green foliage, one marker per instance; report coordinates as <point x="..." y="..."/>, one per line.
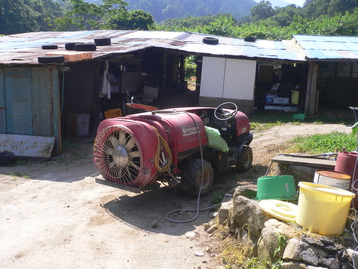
<point x="18" y="16"/>
<point x="318" y="144"/>
<point x="217" y="198"/>
<point x="132" y="20"/>
<point x="265" y="22"/>
<point x="262" y="11"/>
<point x="109" y="14"/>
<point x="18" y="174"/>
<point x="163" y="10"/>
<point x="224" y="25"/>
<point x="190" y="67"/>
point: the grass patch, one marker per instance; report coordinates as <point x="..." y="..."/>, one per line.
<point x="17" y="175"/>
<point x="239" y="255"/>
<point x="323" y="143"/>
<point x="263" y="120"/>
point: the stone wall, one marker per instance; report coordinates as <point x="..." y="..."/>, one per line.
<point x="299" y="249"/>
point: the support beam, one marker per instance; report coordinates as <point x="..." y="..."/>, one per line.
<point x="311" y="105"/>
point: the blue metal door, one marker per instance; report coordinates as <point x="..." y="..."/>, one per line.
<point x="18" y="100"/>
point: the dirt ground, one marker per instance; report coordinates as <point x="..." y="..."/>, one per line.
<point x="54" y="215"/>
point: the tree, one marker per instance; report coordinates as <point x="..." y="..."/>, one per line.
<point x="16" y="16"/>
<point x="285" y="15"/>
<point x="111" y="14"/>
<point x="316" y="8"/>
<point x="341" y="6"/>
<point x="132" y="20"/>
<point x="80" y="15"/>
<point x="47" y="11"/>
<point x="224" y="25"/>
<point x="262" y="11"/>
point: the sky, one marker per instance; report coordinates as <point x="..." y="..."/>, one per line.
<point x="296" y="2"/>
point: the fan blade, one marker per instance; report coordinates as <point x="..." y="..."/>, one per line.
<point x="111" y="165"/>
<point x="134" y="165"/>
<point x="130" y="144"/>
<point x="109" y="151"/>
<point x="114" y="141"/>
<point x="134" y="154"/>
<point x="122" y="138"/>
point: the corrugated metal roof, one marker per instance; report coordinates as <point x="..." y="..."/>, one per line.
<point x="27" y="47"/>
<point x="328" y="47"/>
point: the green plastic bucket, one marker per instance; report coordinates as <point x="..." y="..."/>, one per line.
<point x="276" y="187"/>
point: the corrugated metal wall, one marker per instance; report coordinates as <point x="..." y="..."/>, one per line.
<point x="29" y="101"/>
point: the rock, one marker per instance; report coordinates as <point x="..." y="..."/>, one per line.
<point x="155" y="224"/>
<point x="310" y="257"/>
<point x="199" y="253"/>
<point x="212" y="229"/>
<point x="293" y="265"/>
<point x="268" y="241"/>
<point x="247" y="213"/>
<point x="213" y="215"/>
<point x="190" y="234"/>
<point x="353" y="255"/>
<point x="224" y="211"/>
<point x="244" y="191"/>
<point x="293" y="250"/>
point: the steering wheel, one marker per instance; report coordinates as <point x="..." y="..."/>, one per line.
<point x="221" y="114"/>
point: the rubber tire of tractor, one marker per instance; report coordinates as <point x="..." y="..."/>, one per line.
<point x="191" y="178"/>
<point x="244" y="162"/>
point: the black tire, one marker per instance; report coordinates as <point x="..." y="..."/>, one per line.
<point x="210" y="40"/>
<point x="71" y="45"/>
<point x="192" y="175"/>
<point x="86" y="47"/>
<point x="249" y="39"/>
<point x="51" y="59"/>
<point x="244" y="161"/>
<point x="102" y="41"/>
<point x="49" y="47"/>
<point x="7" y="158"/>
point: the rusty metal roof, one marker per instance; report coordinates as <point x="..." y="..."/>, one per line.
<point x="25" y="48"/>
<point x="328" y="47"/>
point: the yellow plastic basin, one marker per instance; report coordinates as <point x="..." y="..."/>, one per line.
<point x="323" y="209"/>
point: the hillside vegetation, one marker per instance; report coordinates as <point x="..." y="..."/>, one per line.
<point x="214" y="17"/>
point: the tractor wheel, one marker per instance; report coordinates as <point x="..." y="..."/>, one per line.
<point x="192" y="176"/>
<point x="244" y="162"/>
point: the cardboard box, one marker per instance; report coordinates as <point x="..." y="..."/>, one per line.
<point x="77" y="125"/>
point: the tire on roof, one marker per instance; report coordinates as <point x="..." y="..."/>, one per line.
<point x="210" y="40"/>
<point x="51" y="59"/>
<point x="85" y="47"/>
<point x="249" y="39"/>
<point x="71" y="45"/>
<point x="103" y="41"/>
<point x="49" y="47"/>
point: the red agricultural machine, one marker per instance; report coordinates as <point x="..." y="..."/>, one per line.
<point x="173" y="145"/>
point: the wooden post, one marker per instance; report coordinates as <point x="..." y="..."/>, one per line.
<point x="311" y="104"/>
